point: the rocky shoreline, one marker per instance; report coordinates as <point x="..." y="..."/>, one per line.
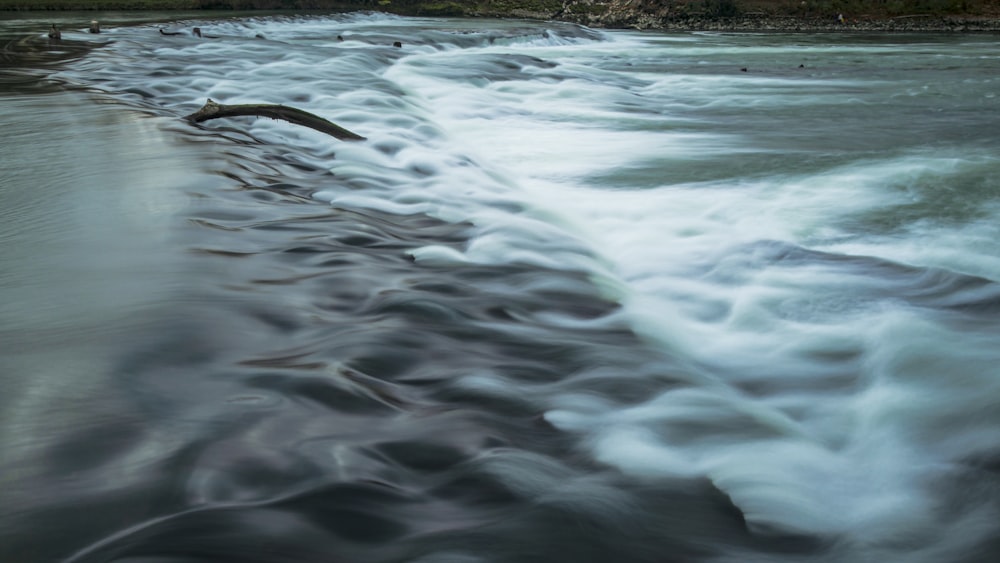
<point x="798" y="24"/>
<point x="637" y="14"/>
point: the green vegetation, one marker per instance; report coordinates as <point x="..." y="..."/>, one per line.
<point x="539" y="6"/>
<point x="442" y="9"/>
<point x="75" y="5"/>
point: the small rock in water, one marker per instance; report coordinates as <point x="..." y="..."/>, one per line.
<point x="397" y="44"/>
<point x="95" y="26"/>
<point x="54" y="32"/>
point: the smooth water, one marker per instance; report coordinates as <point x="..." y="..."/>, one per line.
<point x="579" y="296"/>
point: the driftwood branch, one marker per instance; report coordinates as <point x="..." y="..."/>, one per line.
<point x="213" y="110"/>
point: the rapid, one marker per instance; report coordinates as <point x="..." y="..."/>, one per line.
<point x="581" y="295"/>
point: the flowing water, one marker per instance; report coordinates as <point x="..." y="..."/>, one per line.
<point x="580" y="296"/>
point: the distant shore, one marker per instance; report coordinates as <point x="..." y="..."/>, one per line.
<point x="800" y="24"/>
<point x="614" y="14"/>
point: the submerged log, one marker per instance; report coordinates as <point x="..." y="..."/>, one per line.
<point x="214" y="110"/>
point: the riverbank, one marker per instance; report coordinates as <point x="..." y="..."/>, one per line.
<point x="763" y="23"/>
<point x="707" y="15"/>
<point x="786" y="15"/>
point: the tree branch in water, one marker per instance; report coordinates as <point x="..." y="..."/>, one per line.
<point x="214" y="110"/>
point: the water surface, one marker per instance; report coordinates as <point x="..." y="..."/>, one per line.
<point x="579" y="296"/>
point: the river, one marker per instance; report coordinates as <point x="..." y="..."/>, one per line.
<point x="581" y="295"/>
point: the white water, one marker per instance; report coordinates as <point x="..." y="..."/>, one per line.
<point x="813" y="249"/>
<point x="849" y="447"/>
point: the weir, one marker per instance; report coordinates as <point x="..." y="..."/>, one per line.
<point x="579" y="295"/>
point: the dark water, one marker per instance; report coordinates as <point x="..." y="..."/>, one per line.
<point x="581" y="296"/>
